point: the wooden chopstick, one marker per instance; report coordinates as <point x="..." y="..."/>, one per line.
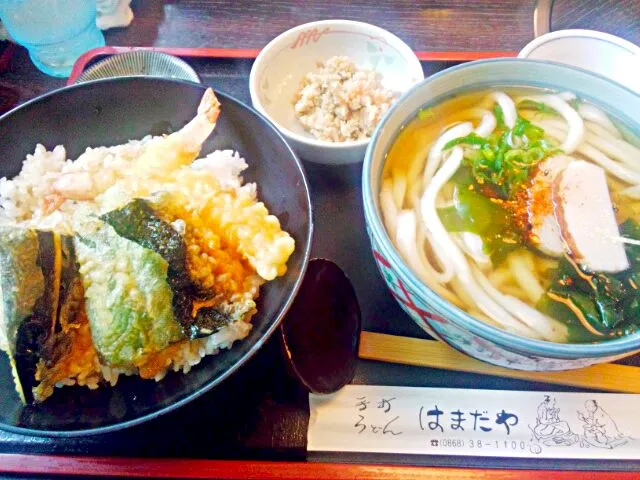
<point x="434" y="354"/>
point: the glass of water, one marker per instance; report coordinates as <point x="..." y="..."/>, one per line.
<point x="56" y="32"/>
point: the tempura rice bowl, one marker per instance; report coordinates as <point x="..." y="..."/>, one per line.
<point x="111" y="112"/>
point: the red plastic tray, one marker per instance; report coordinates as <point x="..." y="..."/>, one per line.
<point x="218" y="53"/>
<point x="93" y="466"/>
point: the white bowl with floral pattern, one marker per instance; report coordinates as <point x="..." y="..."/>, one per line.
<point x="278" y="71"/>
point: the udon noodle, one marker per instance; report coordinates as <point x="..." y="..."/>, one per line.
<point x="520" y="206"/>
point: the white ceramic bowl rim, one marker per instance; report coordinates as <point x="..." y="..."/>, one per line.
<point x="394" y="40"/>
<point x="560" y="46"/>
<point x="523" y="345"/>
<point x="578" y="33"/>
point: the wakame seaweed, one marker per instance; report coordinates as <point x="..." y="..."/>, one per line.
<point x="609" y="303"/>
<point x="138" y="222"/>
<point x="476" y="213"/>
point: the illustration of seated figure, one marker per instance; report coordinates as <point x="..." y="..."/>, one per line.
<point x="599" y="428"/>
<point x="549" y="429"/>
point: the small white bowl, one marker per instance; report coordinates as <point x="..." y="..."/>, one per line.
<point x="603" y="53"/>
<point x="280" y="67"/>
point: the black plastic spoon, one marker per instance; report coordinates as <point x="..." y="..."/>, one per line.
<point x="321" y="332"/>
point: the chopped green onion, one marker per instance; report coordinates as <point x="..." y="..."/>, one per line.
<point x="487" y="153"/>
<point x="519" y="127"/>
<point x="426" y="113"/>
<point x="575" y="103"/>
<point x="495" y="163"/>
<point x="539" y="106"/>
<point x="497" y="111"/>
<point x="533" y="132"/>
<point x="471" y="139"/>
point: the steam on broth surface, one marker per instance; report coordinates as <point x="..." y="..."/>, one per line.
<point x="521" y="207"/>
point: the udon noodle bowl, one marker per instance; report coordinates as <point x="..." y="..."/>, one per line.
<point x="521" y="207"/>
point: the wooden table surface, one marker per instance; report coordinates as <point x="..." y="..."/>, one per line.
<point x="440" y="25"/>
<point x="451" y="25"/>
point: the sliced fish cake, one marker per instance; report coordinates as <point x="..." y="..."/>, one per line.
<point x="587" y="220"/>
<point x="545" y="231"/>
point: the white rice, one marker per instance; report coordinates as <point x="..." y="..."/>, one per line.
<point x="21" y="197"/>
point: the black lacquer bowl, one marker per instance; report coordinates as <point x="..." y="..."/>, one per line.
<point x="110" y="112"/>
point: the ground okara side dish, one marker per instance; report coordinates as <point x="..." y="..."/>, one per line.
<point x="341" y="102"/>
<point x="133" y="259"/>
